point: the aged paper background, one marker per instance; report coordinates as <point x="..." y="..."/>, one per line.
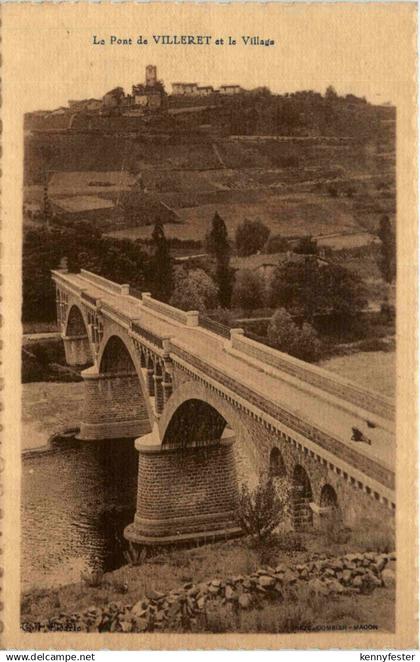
<point x="48" y="47"/>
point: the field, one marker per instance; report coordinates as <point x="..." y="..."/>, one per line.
<point x="374" y="370"/>
<point x="288" y="215"/>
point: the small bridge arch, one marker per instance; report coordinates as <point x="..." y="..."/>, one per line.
<point x="115" y="402"/>
<point x="301" y="498"/>
<point x="76" y="337"/>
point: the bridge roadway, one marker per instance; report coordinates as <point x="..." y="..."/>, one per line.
<point x="329" y="413"/>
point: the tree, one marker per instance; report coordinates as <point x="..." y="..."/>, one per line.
<point x="330" y="92"/>
<point x="161" y="265"/>
<point x="387" y="263"/>
<point x="306" y="246"/>
<point x="217" y="244"/>
<point x="261" y="510"/>
<point x="250" y="237"/>
<point x="309" y="288"/>
<point x="194" y="290"/>
<point x="248" y="290"/>
<point x="284" y="334"/>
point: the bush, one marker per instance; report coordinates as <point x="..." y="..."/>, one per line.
<point x="248" y="290"/>
<point x="284" y="334"/>
<point x="194" y="290"/>
<point x="250" y="237"/>
<point x="261" y="510"/>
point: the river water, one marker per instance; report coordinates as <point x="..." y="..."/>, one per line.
<point x="77" y="497"/>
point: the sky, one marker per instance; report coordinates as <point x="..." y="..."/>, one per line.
<point x="363" y="49"/>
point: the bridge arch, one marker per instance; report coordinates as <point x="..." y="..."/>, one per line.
<point x="75" y="322"/>
<point x="192" y="390"/>
<point x="277" y="467"/>
<point x="76" y="337"/>
<point x="116" y="404"/>
<point x="302" y="496"/>
<point x="330" y="513"/>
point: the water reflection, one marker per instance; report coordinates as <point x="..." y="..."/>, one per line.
<point x="76" y="500"/>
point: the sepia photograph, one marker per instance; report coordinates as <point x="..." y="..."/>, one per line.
<point x="209" y="320"/>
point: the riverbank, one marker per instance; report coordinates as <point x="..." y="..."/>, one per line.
<point x="322" y="593"/>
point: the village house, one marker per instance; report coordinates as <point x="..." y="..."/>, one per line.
<point x="185" y="89"/>
<point x="230" y="89"/>
<point x="205" y="90"/>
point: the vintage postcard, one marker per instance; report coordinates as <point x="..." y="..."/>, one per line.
<point x="209" y="248"/>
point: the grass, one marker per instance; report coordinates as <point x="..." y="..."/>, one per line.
<point x="305" y="613"/>
<point x="372" y="369"/>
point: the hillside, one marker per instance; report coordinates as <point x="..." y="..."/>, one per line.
<point x="302" y="163"/>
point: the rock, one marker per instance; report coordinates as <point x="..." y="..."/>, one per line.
<point x="266" y="581"/>
<point x="380" y="564"/>
<point x="388" y="577"/>
<point x="230" y="593"/>
<point x="140" y="625"/>
<point x="246" y="583"/>
<point x="329" y="572"/>
<point x="317" y="587"/>
<point x="346" y="576"/>
<point x="278" y="588"/>
<point x="335" y="587"/>
<point x="193" y="591"/>
<point x="139" y="608"/>
<point x="290" y="577"/>
<point x="245" y="600"/>
<point x="238" y="579"/>
<point x="336" y="564"/>
<point x="174" y="609"/>
<point x="282" y="568"/>
<point x="201" y="601"/>
<point x="357" y="582"/>
<point x="213" y="589"/>
<point x="154" y="595"/>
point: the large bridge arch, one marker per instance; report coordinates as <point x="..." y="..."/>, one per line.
<point x="190" y="460"/>
<point x="76" y="337"/>
<point x="193" y="390"/>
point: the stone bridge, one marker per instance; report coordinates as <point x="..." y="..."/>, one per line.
<point x="211" y="409"/>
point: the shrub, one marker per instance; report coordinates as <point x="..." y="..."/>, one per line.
<point x="250" y="237"/>
<point x="194" y="290"/>
<point x="262" y="509"/>
<point x="288" y="337"/>
<point x="248" y="290"/>
<point x="135" y="554"/>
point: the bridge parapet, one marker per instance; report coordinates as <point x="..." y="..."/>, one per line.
<point x="104" y="283"/>
<point x="189" y="318"/>
<point x="314" y="375"/>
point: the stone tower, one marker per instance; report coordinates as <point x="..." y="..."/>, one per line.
<point x="151" y="75"/>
